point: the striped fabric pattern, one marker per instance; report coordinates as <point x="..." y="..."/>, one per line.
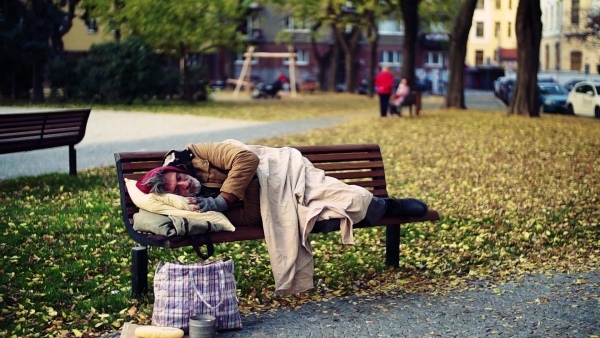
<point x="183" y="290"/>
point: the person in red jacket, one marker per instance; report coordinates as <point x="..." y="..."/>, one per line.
<point x="384" y="83"/>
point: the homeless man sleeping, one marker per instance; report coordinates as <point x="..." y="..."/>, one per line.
<point x="276" y="188"/>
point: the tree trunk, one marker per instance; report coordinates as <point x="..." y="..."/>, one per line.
<point x="410" y="15"/>
<point x="528" y="27"/>
<point x="455" y="94"/>
<point x="333" y="64"/>
<point x="184" y="68"/>
<point x="38" y="82"/>
<point x="322" y="60"/>
<point x="349" y="46"/>
<point x="13" y="84"/>
<point x="374" y="36"/>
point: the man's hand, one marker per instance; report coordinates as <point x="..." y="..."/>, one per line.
<point x="212" y="204"/>
<point x="192" y="204"/>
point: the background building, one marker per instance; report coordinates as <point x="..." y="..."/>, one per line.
<point x="492" y="39"/>
<point x="567" y="50"/>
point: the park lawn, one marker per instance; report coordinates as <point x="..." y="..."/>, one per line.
<point x="516" y="196"/>
<point x="243" y="107"/>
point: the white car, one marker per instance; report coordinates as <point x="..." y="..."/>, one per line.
<point x="584" y="99"/>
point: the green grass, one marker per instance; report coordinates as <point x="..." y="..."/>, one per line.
<point x="516" y="195"/>
<point x="225" y="105"/>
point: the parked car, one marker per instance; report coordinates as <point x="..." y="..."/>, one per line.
<point x="571" y="83"/>
<point x="553" y="97"/>
<point x="217" y="85"/>
<point x="497" y="83"/>
<point x="584" y="99"/>
<point x="507" y="88"/>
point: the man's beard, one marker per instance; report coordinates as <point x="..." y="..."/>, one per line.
<point x="195" y="186"/>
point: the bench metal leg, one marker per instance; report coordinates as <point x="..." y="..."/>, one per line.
<point x="139" y="271"/>
<point x="392" y="245"/>
<point x="72" y="160"/>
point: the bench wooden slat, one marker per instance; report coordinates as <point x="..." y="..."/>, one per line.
<point x="349" y="166"/>
<point x="368" y="184"/>
<point x="339" y="148"/>
<point x="144" y="166"/>
<point x="378" y="173"/>
<point x="320" y="158"/>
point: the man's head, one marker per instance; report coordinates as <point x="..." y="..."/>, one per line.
<point x="384" y="69"/>
<point x="169" y="179"/>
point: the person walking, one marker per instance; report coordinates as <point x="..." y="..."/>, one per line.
<point x="384" y="82"/>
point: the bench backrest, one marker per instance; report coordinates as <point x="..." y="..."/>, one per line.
<point x="39" y="130"/>
<point x="360" y="164"/>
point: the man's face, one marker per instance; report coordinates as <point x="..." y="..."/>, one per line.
<point x="181" y="184"/>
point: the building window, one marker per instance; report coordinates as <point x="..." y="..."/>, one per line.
<point x="547" y="57"/>
<point x="390" y="27"/>
<point x="498" y="4"/>
<point x="301" y="58"/>
<point x="480" y="4"/>
<point x="390" y="58"/>
<point x="509" y="4"/>
<point x="296" y="25"/>
<point x="479" y="32"/>
<point x="575" y="12"/>
<point x="509" y="29"/>
<point x="252" y="23"/>
<point x="576" y="61"/>
<point x="496" y="29"/>
<point x="478" y="57"/>
<point x="91" y="25"/>
<point x="434" y="59"/>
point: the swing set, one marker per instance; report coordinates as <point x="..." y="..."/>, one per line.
<point x="246" y="68"/>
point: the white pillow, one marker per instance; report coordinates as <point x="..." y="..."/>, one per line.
<point x="173" y="205"/>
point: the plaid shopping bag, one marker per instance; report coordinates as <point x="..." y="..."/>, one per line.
<point x="183" y="290"/>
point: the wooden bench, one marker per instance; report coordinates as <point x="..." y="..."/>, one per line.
<point x="359" y="164"/>
<point x="412" y="100"/>
<point x="308" y="86"/>
<point x="27" y="131"/>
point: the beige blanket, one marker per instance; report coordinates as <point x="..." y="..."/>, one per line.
<point x="294" y="195"/>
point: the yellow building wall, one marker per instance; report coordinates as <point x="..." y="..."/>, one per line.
<point x="490" y="42"/>
<point x="590" y="53"/>
<point x="556" y="17"/>
<point x="78" y="39"/>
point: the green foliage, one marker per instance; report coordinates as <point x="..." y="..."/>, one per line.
<point x="516" y="196"/>
<point x="438" y="12"/>
<point x="192" y="24"/>
<point x="120" y="72"/>
<point x="63" y="76"/>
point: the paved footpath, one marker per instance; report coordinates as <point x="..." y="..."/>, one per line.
<point x="551" y="305"/>
<point x="559" y="305"/>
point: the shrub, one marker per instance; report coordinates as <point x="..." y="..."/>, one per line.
<point x="120" y="72"/>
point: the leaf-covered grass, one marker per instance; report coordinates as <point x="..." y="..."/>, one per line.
<point x="224" y="104"/>
<point x="516" y="196"/>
